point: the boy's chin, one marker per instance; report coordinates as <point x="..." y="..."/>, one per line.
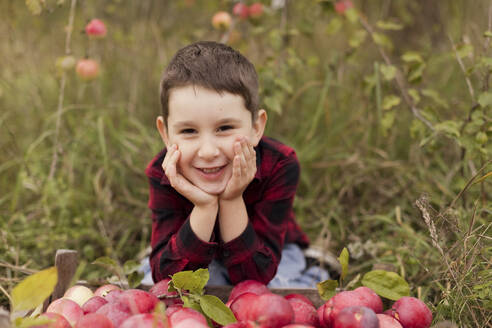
<point x="213" y="190"/>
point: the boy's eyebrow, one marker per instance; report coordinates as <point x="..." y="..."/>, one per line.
<point x="222" y="121"/>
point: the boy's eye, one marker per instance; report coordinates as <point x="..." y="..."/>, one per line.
<point x="225" y="128"/>
<point x="187" y="131"/>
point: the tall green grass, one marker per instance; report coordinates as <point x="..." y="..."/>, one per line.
<point x="363" y="167"/>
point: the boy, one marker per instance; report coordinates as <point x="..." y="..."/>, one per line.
<point x="221" y="193"/>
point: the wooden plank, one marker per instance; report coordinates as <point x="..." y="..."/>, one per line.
<point x="66" y="261"/>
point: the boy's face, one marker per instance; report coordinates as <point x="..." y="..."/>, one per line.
<point x="204" y="125"/>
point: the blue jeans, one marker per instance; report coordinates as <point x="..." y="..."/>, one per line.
<point x="291" y="272"/>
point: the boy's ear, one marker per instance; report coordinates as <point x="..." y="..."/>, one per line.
<point x="161" y="127"/>
<point x="259" y="126"/>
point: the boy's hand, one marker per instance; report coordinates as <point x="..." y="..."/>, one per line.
<point x="243" y="170"/>
<point x="194" y="194"/>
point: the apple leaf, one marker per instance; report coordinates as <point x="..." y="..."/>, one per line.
<point x="382" y="40"/>
<point x="389" y="71"/>
<point x="485" y="99"/>
<point x="391" y="101"/>
<point x="42" y="282"/>
<point x="327" y="289"/>
<point x="385" y="25"/>
<point x="34" y="6"/>
<point x="40" y="321"/>
<point x="213" y="307"/>
<point x="386" y="284"/>
<point x="412" y="56"/>
<point x="192" y="281"/>
<point x="344" y="259"/>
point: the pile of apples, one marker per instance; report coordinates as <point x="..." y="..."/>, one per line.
<point x="251" y="302"/>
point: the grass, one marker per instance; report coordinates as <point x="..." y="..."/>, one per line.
<point x="376" y="180"/>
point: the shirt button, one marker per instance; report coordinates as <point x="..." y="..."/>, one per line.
<point x="226" y="253"/>
<point x="211" y="251"/>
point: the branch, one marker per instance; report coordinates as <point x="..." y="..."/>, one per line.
<point x="59" y="110"/>
<point x="400" y="81"/>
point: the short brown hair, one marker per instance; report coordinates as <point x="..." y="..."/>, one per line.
<point x="214" y="66"/>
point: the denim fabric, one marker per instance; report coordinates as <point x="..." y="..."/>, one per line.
<point x="291" y="271"/>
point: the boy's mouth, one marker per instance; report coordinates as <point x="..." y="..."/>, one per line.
<point x="212" y="172"/>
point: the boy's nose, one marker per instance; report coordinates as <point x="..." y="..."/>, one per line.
<point x="208" y="149"/>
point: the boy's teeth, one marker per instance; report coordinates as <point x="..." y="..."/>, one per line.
<point x="211" y="170"/>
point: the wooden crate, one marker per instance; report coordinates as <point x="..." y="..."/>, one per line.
<point x="66" y="262"/>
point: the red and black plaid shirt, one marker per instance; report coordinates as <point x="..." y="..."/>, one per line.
<point x="255" y="254"/>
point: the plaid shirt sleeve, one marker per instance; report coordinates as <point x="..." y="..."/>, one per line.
<point x="175" y="247"/>
<point x="255" y="254"/>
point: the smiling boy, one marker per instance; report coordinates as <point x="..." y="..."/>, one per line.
<point x="221" y="193"/>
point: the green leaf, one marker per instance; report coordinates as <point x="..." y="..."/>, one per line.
<point x="464" y="50"/>
<point x="334" y="26"/>
<point x="31" y="322"/>
<point x="412" y="56"/>
<point x="352" y="15"/>
<point x="357" y="38"/>
<point x="131" y="266"/>
<point x="386" y="284"/>
<point x="435" y="97"/>
<point x="382" y="40"/>
<point x="344" y="260"/>
<point x="34" y="6"/>
<point x="327" y="289"/>
<point x="213" y="307"/>
<point x="390" y="101"/>
<point x="384" y="25"/>
<point x="416" y="72"/>
<point x="415" y="95"/>
<point x="135" y="278"/>
<point x="34" y="289"/>
<point x="487" y="34"/>
<point x="388" y="71"/>
<point x="485" y="99"/>
<point x="387" y="121"/>
<point x="193" y="281"/>
<point x="450" y="128"/>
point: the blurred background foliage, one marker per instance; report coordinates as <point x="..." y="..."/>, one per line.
<point x="387" y="105"/>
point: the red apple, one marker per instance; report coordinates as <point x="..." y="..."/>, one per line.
<point x="186" y="313"/>
<point x="342" y="6"/>
<point x="160" y="290"/>
<point x="87" y="69"/>
<point x="67" y="308"/>
<point x="298" y="325"/>
<point x="300" y="297"/>
<point x="348" y="298"/>
<point x="240" y="10"/>
<point x="271" y="310"/>
<point x="370" y="299"/>
<point x="241" y="306"/>
<point x="173" y="308"/>
<point x="321" y="315"/>
<point x="248" y="286"/>
<point x="190" y="323"/>
<point x="116" y="312"/>
<point x="221" y="20"/>
<point x="79" y="294"/>
<point x="411" y="313"/>
<point x="138" y="301"/>
<point x="146" y="320"/>
<point x="238" y="324"/>
<point x="304" y="313"/>
<point x="255" y="10"/>
<point x="93" y="304"/>
<point x="105" y="289"/>
<point x="386" y="321"/>
<point x="356" y="317"/>
<point x="58" y="321"/>
<point x="94" y="320"/>
<point x="96" y="28"/>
